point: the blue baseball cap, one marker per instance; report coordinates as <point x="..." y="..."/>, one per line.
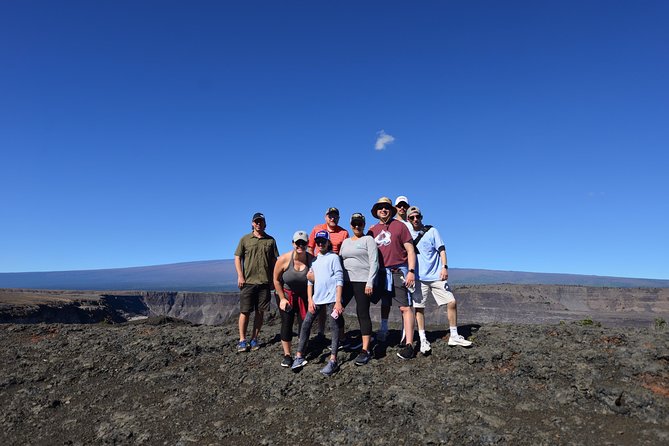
<point x="322" y="234"/>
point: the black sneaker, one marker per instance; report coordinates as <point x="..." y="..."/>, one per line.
<point x="287" y="361"/>
<point x="406" y="352"/>
<point x="363" y="358"/>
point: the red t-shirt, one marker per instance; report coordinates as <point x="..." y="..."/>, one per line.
<point x="337" y="237"/>
<point x="390" y="238"/>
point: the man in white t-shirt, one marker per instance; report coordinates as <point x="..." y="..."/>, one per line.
<point x="433" y="278"/>
<point x="402" y="205"/>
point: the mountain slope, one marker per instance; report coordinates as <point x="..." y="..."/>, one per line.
<point x="219" y="275"/>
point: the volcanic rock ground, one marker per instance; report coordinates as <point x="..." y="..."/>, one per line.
<point x="166" y="381"/>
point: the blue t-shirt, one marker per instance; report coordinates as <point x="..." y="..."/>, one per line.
<point x="328" y="274"/>
<point x="428" y="258"/>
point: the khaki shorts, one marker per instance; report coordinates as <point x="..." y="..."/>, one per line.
<point x="437" y="288"/>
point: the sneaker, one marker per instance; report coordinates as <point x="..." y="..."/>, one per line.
<point x="298" y="363"/>
<point x="382" y="335"/>
<point x="459" y="340"/>
<point x="425" y="346"/>
<point x="287" y="361"/>
<point x="406" y="352"/>
<point x="330" y="368"/>
<point x="243" y="346"/>
<point x="254" y="345"/>
<point x="363" y="358"/>
<point x="328" y="348"/>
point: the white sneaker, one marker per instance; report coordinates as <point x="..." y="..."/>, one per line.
<point x="459" y="340"/>
<point x="424" y="346"/>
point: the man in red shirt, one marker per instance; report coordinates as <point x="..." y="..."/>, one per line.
<point x="397" y="272"/>
<point x="337" y="236"/>
<point x="336" y="232"/>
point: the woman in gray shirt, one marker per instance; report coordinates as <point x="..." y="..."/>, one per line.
<point x="360" y="258"/>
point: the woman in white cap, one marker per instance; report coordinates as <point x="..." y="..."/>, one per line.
<point x="290" y="283"/>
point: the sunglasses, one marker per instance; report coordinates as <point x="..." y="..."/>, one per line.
<point x="333" y="216"/>
<point x="258" y="221"/>
<point x="402" y="205"/>
<point x="385" y="208"/>
<point x="415" y="217"/>
<point x="357" y="224"/>
<point x="321" y="241"/>
<point x="301" y="243"/>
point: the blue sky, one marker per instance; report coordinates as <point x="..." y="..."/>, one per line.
<point x="533" y="134"/>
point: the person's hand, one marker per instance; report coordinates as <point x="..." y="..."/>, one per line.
<point x="310" y="275"/>
<point x="283" y="303"/>
<point x="369" y="290"/>
<point x="410" y="280"/>
<point x="339" y="307"/>
<point x="312" y="306"/>
<point x="443" y="275"/>
<point x="240" y="282"/>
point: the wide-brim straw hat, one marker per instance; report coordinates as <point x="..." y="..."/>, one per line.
<point x="381" y="202"/>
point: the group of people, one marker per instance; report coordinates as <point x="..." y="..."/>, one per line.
<point x="398" y="260"/>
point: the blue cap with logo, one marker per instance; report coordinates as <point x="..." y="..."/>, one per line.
<point x="322" y="234"/>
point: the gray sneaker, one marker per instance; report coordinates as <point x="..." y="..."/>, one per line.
<point x="330" y="368"/>
<point x="298" y="363"/>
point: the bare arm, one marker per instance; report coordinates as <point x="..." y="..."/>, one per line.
<point x="279" y="269"/>
<point x="240" y="272"/>
<point x="411" y="260"/>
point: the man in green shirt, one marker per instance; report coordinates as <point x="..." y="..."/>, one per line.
<point x="255" y="257"/>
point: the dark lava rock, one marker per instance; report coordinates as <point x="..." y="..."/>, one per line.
<point x="160" y="381"/>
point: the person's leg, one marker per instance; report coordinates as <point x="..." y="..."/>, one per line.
<point x="245" y="308"/>
<point x="287" y="321"/>
<point x="408" y="319"/>
<point x="306" y="328"/>
<point x="263" y="297"/>
<point x="362" y="308"/>
<point x="243" y="325"/>
<point x="336" y="325"/>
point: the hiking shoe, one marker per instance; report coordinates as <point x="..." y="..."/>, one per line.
<point x="298" y="363"/>
<point x="425" y="346"/>
<point x="382" y="335"/>
<point x="406" y="352"/>
<point x="254" y="345"/>
<point x="330" y="368"/>
<point x="459" y="340"/>
<point x="287" y="361"/>
<point x="243" y="346"/>
<point x="363" y="358"/>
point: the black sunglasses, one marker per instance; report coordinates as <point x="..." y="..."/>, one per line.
<point x="415" y="217"/>
<point x="321" y="241"/>
<point x="300" y="243"/>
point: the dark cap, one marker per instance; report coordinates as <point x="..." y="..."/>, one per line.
<point x="258" y="216"/>
<point x="357" y="217"/>
<point x="332" y="211"/>
<point x="322" y="234"/>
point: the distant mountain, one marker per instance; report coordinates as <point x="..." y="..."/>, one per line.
<point x="220" y="275"/>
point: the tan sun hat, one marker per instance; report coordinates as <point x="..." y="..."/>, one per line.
<point x="381" y="202"/>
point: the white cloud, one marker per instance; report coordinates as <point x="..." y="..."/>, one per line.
<point x="383" y="139"/>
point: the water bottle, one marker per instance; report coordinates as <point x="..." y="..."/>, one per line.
<point x="412" y="288"/>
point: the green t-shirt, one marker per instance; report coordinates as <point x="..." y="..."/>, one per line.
<point x="258" y="256"/>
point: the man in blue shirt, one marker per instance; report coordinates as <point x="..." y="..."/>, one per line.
<point x="433" y="278"/>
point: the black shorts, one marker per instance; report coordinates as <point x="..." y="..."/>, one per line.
<point x="254" y="297"/>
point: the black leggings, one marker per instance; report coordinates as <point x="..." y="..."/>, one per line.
<point x="361" y="305"/>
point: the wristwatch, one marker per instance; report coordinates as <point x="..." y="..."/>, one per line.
<point x="412" y="271"/>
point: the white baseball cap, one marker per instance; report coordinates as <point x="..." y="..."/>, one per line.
<point x="400" y="199"/>
<point x="300" y="235"/>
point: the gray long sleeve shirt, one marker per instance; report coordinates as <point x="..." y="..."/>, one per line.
<point x="361" y="259"/>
